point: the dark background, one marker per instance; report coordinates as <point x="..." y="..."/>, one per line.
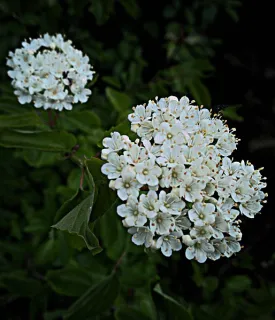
<point x="238" y="68"/>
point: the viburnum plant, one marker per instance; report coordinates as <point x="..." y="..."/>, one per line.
<point x="177" y="180"/>
<point x="50" y="72"/>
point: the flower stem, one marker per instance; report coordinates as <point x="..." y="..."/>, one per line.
<point x="118" y="263"/>
<point x="51" y="123"/>
<point x="82" y="178"/>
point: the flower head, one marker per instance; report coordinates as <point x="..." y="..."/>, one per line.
<point x="179" y="184"/>
<point x="50" y="72"/>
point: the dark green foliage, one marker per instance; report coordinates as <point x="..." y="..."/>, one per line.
<point x="63" y="251"/>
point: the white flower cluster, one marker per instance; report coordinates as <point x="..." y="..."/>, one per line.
<point x="50" y="72"/>
<point x="178" y="182"/>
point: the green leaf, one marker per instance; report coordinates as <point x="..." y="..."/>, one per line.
<point x="76" y="222"/>
<point x="106" y="199"/>
<point x="198" y="275"/>
<point x="210" y="283"/>
<point x="66" y="207"/>
<point x="54" y="315"/>
<point x="10" y="105"/>
<point x="73" y="280"/>
<point x="209" y="14"/>
<point x="115" y="238"/>
<point x="38" y="305"/>
<point x="26" y="119"/>
<point x="20" y="284"/>
<point x="95" y="300"/>
<point x="231" y="113"/>
<point x="178" y="310"/>
<point x="130" y="312"/>
<point x="17" y="253"/>
<point x="47" y="252"/>
<point x="131" y="7"/>
<point x="94" y="166"/>
<point x="233" y="14"/>
<point x="120" y="101"/>
<point x="143" y="269"/>
<point x="112" y="81"/>
<point x="74" y="178"/>
<point x="238" y="283"/>
<point x="141" y="306"/>
<point x="101" y="10"/>
<point x="37" y="158"/>
<point x="85" y="121"/>
<point x="106" y="202"/>
<point x="146" y="303"/>
<point x="75" y="242"/>
<point x="199" y="92"/>
<point x="45" y="141"/>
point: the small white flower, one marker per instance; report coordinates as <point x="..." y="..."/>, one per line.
<point x="148" y="172"/>
<point x="176" y="176"/>
<point x="200" y="170"/>
<point x="80" y="94"/>
<point x="149" y="204"/>
<point x="232" y="246"/>
<point x="171" y="155"/>
<point x="141" y="235"/>
<point x="50" y="82"/>
<point x="199" y="250"/>
<point x="170" y="203"/>
<point x="23" y="96"/>
<point x="56" y="93"/>
<point x="204" y="232"/>
<point x="219" y="128"/>
<point x="225" y="185"/>
<point x="190" y="118"/>
<point x="169" y="243"/>
<point x="171" y="134"/>
<point x="135" y="154"/>
<point x="190" y="189"/>
<point x="242" y="192"/>
<point x="145" y="130"/>
<point x="184" y="102"/>
<point x="246" y="170"/>
<point x="174" y="107"/>
<point x="226" y="144"/>
<point x="115" y="166"/>
<point x="129" y="211"/>
<point x="202" y="214"/>
<point x="191" y="153"/>
<point x="127" y="185"/>
<point x="160" y="118"/>
<point x="141" y="113"/>
<point x="219" y="227"/>
<point x="182" y="223"/>
<point x="187" y="240"/>
<point x="35" y="84"/>
<point x="219" y="249"/>
<point x="250" y="208"/>
<point x="152" y="150"/>
<point x="113" y="144"/>
<point x="162" y="223"/>
<point x="230" y="168"/>
<point x="235" y="232"/>
<point x="225" y="208"/>
<point x="210" y="188"/>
